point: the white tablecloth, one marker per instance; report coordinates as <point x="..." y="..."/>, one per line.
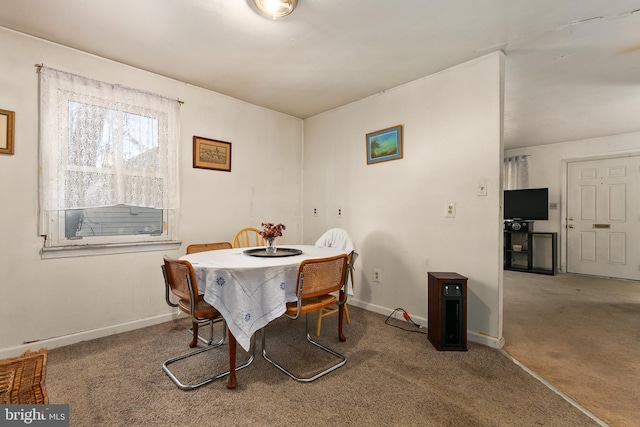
<point x="250" y="291"/>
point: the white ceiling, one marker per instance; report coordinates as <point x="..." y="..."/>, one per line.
<point x="572" y="66"/>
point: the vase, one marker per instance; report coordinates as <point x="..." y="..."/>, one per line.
<point x="271" y="245"/>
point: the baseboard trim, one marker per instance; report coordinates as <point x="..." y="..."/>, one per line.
<point x="64" y="340"/>
<point x="489" y="341"/>
<point x="476" y="337"/>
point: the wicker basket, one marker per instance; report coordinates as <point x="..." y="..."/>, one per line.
<point x="22" y="379"/>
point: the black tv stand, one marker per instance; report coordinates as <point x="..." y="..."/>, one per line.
<point x="520" y="246"/>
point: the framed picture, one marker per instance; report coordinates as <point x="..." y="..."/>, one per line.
<point x="211" y="154"/>
<point x="6" y="131"/>
<point x="384" y="145"/>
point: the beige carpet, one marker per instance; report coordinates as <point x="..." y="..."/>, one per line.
<point x="392" y="378"/>
<point x="582" y="334"/>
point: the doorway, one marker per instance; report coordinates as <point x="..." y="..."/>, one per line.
<point x="603" y="217"/>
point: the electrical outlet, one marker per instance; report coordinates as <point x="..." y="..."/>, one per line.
<point x="450" y="211"/>
<point x="377" y="275"/>
<point x="340" y="212"/>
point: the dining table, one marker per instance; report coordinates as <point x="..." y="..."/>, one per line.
<point x="251" y="287"/>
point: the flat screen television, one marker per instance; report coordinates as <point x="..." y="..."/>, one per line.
<point x="529" y="204"/>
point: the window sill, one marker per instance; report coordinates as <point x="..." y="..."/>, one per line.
<point x="123" y="248"/>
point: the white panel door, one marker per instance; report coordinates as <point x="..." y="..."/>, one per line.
<point x="603" y="217"/>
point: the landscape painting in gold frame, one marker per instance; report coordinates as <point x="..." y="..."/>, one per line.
<point x="211" y="154"/>
<point x="6" y="131"/>
<point x="384" y="145"/>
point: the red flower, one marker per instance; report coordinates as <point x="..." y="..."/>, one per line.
<point x="270" y="231"/>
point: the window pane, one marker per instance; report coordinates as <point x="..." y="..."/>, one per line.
<point x="89" y="188"/>
<point x="90" y="143"/>
<point x="112" y="221"/>
<point x="140" y="141"/>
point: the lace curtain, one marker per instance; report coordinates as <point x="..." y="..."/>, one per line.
<point x="515" y="173"/>
<point x="105" y="145"/>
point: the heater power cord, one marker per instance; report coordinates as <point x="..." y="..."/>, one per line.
<point x="419" y="328"/>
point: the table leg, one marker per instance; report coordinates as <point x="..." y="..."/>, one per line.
<point x="232" y="382"/>
<point x="340" y="319"/>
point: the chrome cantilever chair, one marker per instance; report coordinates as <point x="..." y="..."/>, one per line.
<point x="317" y="279"/>
<point x="203" y="247"/>
<point x="180" y="281"/>
<point x="248" y="237"/>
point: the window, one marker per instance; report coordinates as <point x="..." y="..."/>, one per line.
<point x="119" y="220"/>
<point x="108" y="157"/>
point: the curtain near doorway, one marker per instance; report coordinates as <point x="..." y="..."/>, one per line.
<point x="516" y="172"/>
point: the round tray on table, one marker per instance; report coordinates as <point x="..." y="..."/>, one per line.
<point x="280" y="252"/>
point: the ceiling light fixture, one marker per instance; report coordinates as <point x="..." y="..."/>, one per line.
<point x="276" y="8"/>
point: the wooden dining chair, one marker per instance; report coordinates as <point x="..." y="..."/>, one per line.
<point x="317" y="280"/>
<point x="248" y="237"/>
<point x="180" y="281"/>
<point x="339" y="239"/>
<point x="333" y="309"/>
<point x="202" y="247"/>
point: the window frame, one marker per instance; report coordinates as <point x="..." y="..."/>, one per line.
<point x="59" y="224"/>
<point x="52" y="223"/>
<point x="58" y="246"/>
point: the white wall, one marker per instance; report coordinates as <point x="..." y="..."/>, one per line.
<point x="66" y="300"/>
<point x="547" y="168"/>
<point x="395" y="211"/>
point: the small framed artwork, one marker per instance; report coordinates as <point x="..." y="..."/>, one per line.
<point x="211" y="154"/>
<point x="384" y="145"/>
<point x="6" y="131"/>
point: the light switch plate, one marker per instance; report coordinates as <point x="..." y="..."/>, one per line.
<point x="482" y="187"/>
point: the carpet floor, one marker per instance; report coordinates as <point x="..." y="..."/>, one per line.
<point x="581" y="334"/>
<point x="393" y="377"/>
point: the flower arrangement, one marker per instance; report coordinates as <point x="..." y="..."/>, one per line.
<point x="271" y="230"/>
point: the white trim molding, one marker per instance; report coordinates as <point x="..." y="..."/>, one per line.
<point x="65" y="340"/>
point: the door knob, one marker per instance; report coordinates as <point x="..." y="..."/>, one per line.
<point x="570" y="225"/>
<point x="570" y="218"/>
